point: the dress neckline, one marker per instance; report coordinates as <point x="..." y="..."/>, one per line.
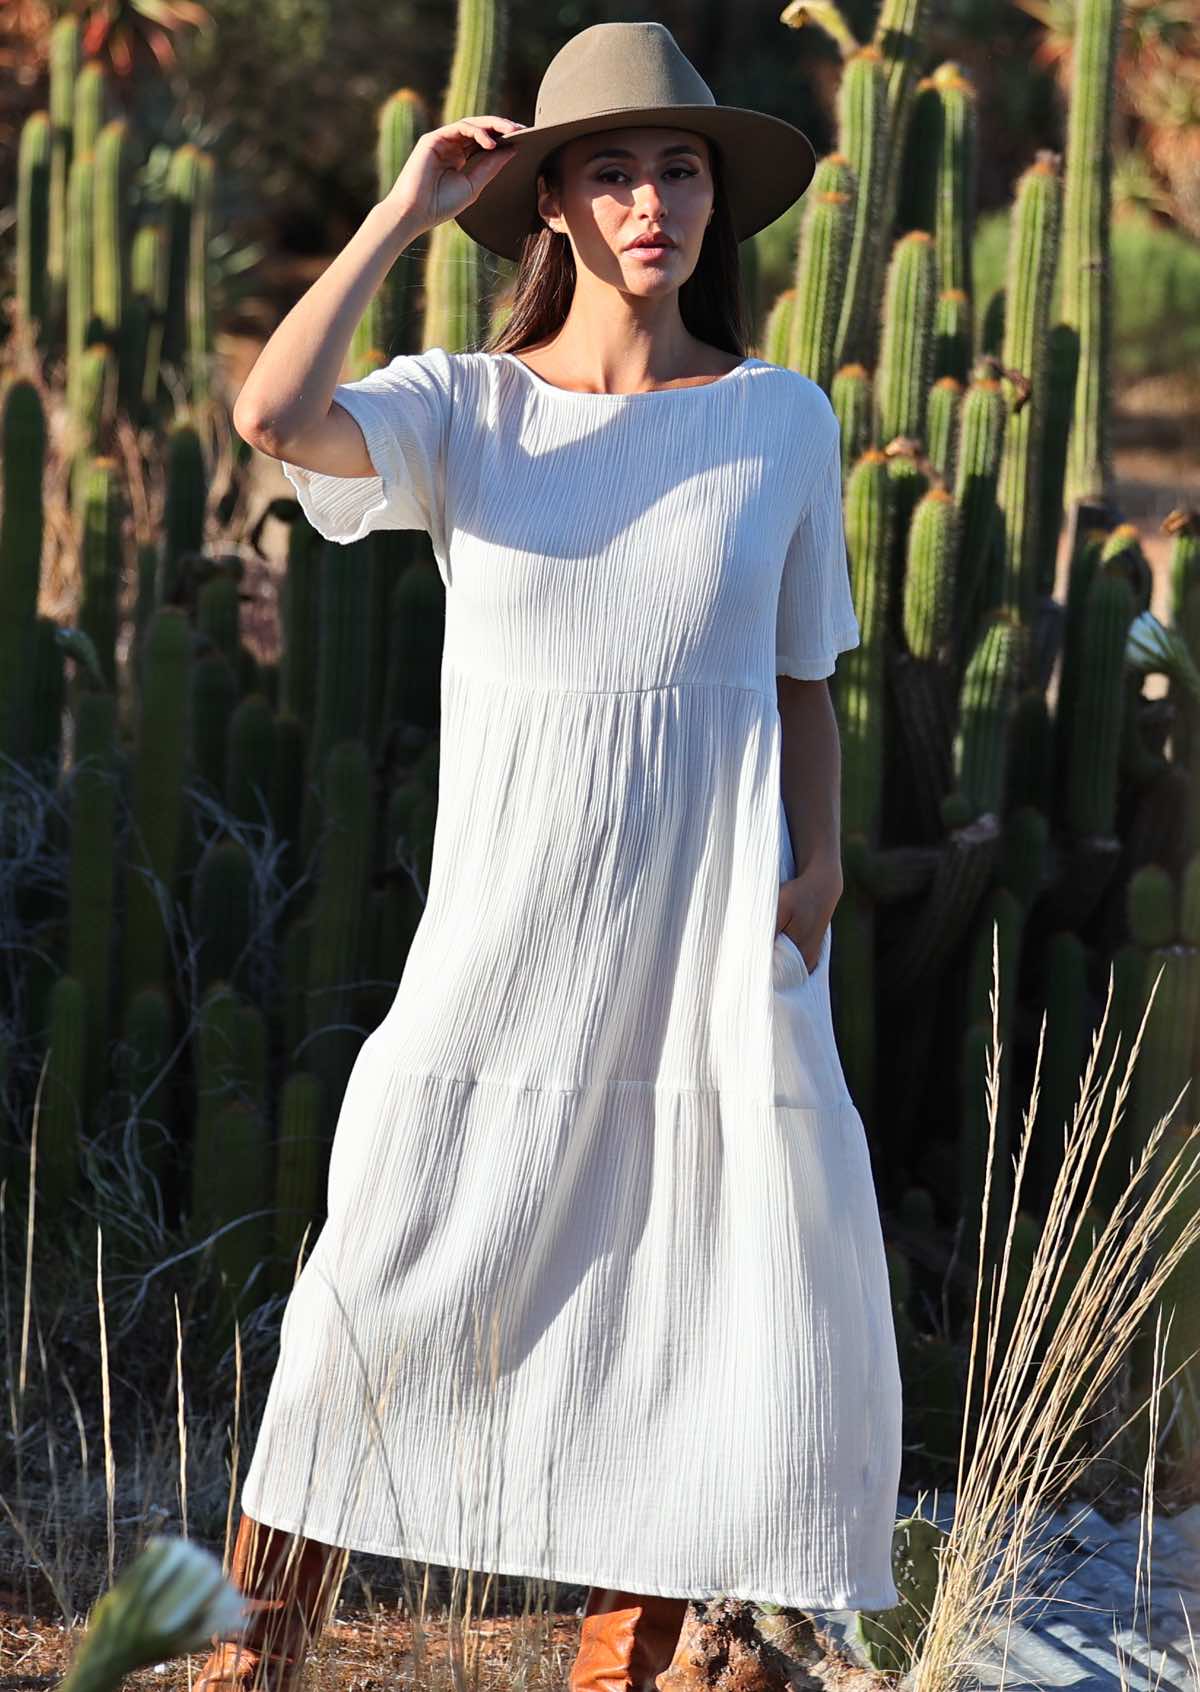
<point x="645" y="393"/>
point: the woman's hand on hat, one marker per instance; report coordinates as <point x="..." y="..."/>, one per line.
<point x="450" y="166"/>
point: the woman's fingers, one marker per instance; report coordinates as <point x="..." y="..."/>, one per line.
<point x="482" y="125"/>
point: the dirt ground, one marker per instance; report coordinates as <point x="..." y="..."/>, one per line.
<point x="380" y="1647"/>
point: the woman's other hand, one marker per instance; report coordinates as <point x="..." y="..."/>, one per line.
<point x="806" y="906"/>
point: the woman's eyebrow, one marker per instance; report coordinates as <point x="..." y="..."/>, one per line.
<point x="626" y="153"/>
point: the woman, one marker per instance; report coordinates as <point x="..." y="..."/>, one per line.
<point x="600" y="1221"/>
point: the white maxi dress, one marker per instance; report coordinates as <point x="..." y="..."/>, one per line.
<point x="601" y="1295"/>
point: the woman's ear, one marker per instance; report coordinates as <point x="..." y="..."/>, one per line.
<point x="547" y="211"/>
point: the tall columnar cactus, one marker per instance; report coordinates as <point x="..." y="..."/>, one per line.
<point x="982" y="422"/>
<point x="940" y="178"/>
<point x="1086" y="256"/>
<point x="64" y="67"/>
<point x="160" y="766"/>
<point x="454" y="269"/>
<point x="389" y="324"/>
<point x="1033" y="256"/>
<point x="90" y="105"/>
<point x="201" y="351"/>
<point x="149" y="281"/>
<point x="187" y="330"/>
<point x="989" y="695"/>
<point x="341" y="666"/>
<point x="250" y="761"/>
<point x="777" y="330"/>
<point x="863" y="126"/>
<point x="93" y="872"/>
<point x="1166" y="1064"/>
<point x="906" y="354"/>
<point x="899" y="26"/>
<point x="22" y="461"/>
<point x="223" y="912"/>
<point x="111" y="183"/>
<point x="100" y="558"/>
<point x="924" y="687"/>
<point x="943" y="412"/>
<point x="1095" y="726"/>
<point x="183" y="517"/>
<point x="822" y="257"/>
<point x="1185" y="615"/>
<point x="338" y="908"/>
<point x="300" y="1162"/>
<point x="33" y="226"/>
<point x="860" y="693"/>
<point x="81" y="326"/>
<point x="231" y="1176"/>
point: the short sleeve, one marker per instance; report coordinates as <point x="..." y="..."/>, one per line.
<point x="815" y="618"/>
<point x="403" y="410"/>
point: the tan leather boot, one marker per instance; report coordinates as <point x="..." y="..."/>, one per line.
<point x="627" y="1639"/>
<point x="292" y="1583"/>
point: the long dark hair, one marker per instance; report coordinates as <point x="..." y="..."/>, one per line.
<point x="712" y="301"/>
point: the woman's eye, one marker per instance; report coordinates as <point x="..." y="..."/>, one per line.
<point x="616" y="170"/>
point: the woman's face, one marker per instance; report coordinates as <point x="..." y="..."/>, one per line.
<point x="619" y="184"/>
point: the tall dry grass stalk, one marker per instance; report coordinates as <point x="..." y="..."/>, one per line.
<point x="1025" y="1456"/>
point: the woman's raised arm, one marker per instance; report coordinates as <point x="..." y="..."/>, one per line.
<point x="284" y="407"/>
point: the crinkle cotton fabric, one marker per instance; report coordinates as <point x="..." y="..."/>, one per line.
<point x="601" y="1296"/>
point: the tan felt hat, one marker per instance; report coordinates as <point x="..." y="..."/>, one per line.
<point x="767" y="162"/>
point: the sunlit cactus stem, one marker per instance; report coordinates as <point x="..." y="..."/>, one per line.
<point x="454" y="316"/>
<point x="33" y="226"/>
<point x="822" y="257"/>
<point x="1033" y="255"/>
<point x="64" y="67"/>
<point x="1086" y="255"/>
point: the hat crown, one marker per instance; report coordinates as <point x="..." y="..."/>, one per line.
<point x="610" y="66"/>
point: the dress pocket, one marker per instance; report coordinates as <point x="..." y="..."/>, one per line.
<point x="808" y="1071"/>
<point x="792" y="958"/>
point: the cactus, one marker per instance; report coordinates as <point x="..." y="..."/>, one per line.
<point x="822" y="256"/>
<point x="184" y="513"/>
<point x="389" y="325"/>
<point x="101" y="561"/>
<point x="1086" y="266"/>
<point x="93" y="874"/>
<point x="33" y="227"/>
<point x="989" y="695"/>
<point x="890" y="1640"/>
<point x="160" y="762"/>
<point x="64" y="68"/>
<point x="1033" y="256"/>
<point x="223" y="912"/>
<point x="21" y="523"/>
<point x="1099" y="705"/>
<point x="82" y="327"/>
<point x="454" y="269"/>
<point x="300" y="1163"/>
<point x="252" y="746"/>
<point x="338" y="910"/>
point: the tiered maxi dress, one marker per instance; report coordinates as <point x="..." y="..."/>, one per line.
<point x="601" y="1295"/>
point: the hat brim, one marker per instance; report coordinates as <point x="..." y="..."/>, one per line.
<point x="768" y="163"/>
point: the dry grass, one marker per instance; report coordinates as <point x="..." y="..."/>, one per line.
<point x="1026" y="1458"/>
